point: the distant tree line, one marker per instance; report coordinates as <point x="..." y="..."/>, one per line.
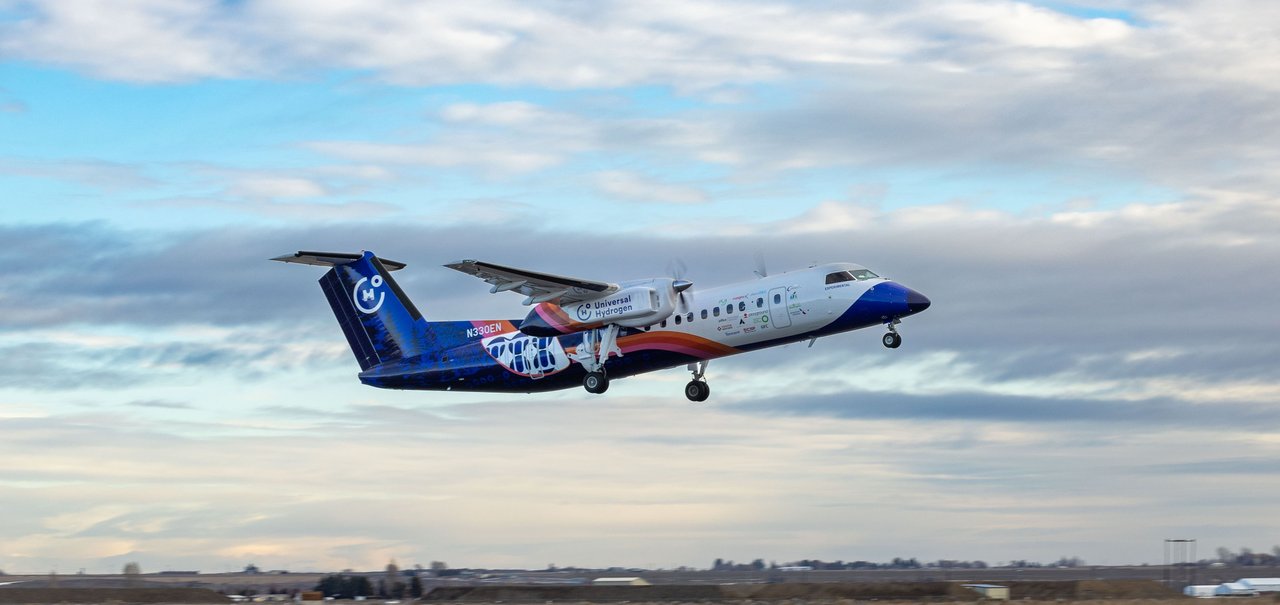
<point x="1246" y="557"/>
<point x="389" y="586"/>
<point x="345" y="587"/>
<point x="896" y="563"/>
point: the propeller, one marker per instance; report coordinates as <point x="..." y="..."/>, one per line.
<point x="676" y="269"/>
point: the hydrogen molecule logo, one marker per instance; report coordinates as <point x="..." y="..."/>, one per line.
<point x="362" y="296"/>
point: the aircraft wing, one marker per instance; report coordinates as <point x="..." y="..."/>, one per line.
<point x="537" y="287"/>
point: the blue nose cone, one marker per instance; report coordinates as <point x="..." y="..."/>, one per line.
<point x="887" y="300"/>
<point x="916" y="302"/>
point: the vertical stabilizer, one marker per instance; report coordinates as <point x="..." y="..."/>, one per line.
<point x="380" y="322"/>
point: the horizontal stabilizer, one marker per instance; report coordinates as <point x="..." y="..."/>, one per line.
<point x="332" y="259"/>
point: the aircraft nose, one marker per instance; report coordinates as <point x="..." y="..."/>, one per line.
<point x="916" y="302"/>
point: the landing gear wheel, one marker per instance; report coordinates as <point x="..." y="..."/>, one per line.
<point x="595" y="382"/>
<point x="892" y="340"/>
<point x="697" y="391"/>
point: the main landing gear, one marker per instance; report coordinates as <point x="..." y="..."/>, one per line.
<point x="892" y="339"/>
<point x="697" y="390"/>
<point x="595" y="383"/>
<point x="595" y="349"/>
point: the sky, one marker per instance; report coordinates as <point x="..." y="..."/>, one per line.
<point x="1087" y="191"/>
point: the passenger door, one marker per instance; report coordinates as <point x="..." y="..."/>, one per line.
<point x="778" y="315"/>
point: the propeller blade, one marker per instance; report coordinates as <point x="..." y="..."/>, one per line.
<point x="677" y="269"/>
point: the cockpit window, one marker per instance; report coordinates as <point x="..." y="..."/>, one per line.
<point x="854" y="275"/>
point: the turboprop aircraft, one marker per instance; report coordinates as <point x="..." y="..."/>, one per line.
<point x="586" y="332"/>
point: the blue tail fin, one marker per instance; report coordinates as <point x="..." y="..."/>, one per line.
<point x="380" y="322"/>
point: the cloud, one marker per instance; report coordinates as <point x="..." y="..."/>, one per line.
<point x="639" y="188"/>
<point x="308" y="211"/>
<point x="463" y="152"/>
<point x="508" y="475"/>
<point x="160" y="404"/>
<point x="505" y="43"/>
<point x="1102" y="304"/>
<point x="99" y="174"/>
<point x="980" y="407"/>
<point x="148" y="41"/>
<point x="277" y="187"/>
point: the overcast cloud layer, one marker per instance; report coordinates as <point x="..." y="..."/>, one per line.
<point x="1086" y="192"/>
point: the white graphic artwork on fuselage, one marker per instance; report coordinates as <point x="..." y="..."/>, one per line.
<point x="526" y="355"/>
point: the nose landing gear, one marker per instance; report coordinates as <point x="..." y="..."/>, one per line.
<point x="892" y="339"/>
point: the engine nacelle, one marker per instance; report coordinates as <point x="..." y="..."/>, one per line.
<point x="639" y="304"/>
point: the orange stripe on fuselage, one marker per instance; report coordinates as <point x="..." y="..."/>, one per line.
<point x="558" y="319"/>
<point x="676" y="342"/>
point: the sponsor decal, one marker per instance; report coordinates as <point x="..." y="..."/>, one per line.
<point x="485" y="330"/>
<point x="748" y="329"/>
<point x="597" y="310"/>
<point x="362" y="296"/>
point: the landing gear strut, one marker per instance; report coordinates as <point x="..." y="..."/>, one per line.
<point x="595" y="349"/>
<point x="892" y="339"/>
<point x="697" y="390"/>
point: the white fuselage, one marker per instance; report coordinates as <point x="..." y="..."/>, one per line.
<point x="777" y="307"/>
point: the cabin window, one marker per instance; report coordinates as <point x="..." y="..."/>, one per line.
<point x="728" y="309"/>
<point x="664" y="323"/>
<point x="677" y="320"/>
<point x="689" y="317"/>
<point x="742" y="305"/>
<point x="760" y="302"/>
<point x="704" y="313"/>
<point x="716" y="311"/>
<point x="777" y="299"/>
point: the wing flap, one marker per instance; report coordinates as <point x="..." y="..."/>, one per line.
<point x="537" y="287"/>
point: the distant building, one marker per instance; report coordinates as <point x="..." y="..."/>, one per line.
<point x="795" y="568"/>
<point x="1235" y="589"/>
<point x="1262" y="584"/>
<point x="1201" y="591"/>
<point x="633" y="581"/>
<point x="991" y="591"/>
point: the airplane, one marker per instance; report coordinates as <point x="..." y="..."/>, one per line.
<point x="586" y="332"/>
